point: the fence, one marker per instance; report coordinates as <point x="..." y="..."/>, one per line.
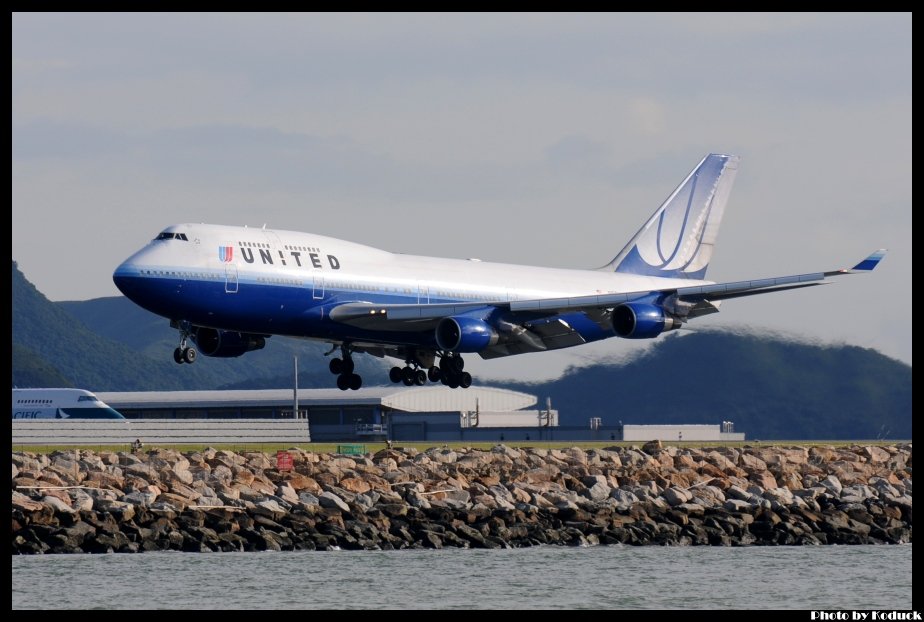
<point x="161" y="431"/>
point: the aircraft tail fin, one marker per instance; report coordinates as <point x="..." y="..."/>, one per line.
<point x="678" y="239"/>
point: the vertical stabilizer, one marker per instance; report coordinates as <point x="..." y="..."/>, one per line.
<point x="678" y="239"/>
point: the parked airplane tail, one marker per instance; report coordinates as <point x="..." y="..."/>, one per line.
<point x="678" y="239"/>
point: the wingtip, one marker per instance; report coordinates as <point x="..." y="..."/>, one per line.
<point x="870" y="262"/>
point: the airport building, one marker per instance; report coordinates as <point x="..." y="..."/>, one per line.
<point x="431" y="413"/>
<point x="371" y="414"/>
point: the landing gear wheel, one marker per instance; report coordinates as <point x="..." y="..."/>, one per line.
<point x="420" y="377"/>
<point x="354" y="381"/>
<point x="342" y="383"/>
<point x="434" y="374"/>
<point x="347" y="367"/>
<point x="452" y="364"/>
<point x="408" y="376"/>
<point x="395" y="375"/>
<point x="465" y="380"/>
<point x="178" y="356"/>
<point x="335" y="366"/>
<point x="190" y="355"/>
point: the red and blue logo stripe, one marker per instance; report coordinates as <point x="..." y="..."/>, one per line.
<point x="225" y="253"/>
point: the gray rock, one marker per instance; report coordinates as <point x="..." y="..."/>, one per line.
<point x="286" y="492"/>
<point x="121" y="510"/>
<point x="182" y="474"/>
<point x="210" y="501"/>
<point x="501" y="493"/>
<point x="706" y="501"/>
<point x="164" y="509"/>
<point x="624" y="496"/>
<point x="881" y="485"/>
<point x="415" y="499"/>
<point x="456" y="504"/>
<point x="809" y="493"/>
<point x="457" y="494"/>
<point x="832" y="484"/>
<point x="598" y="492"/>
<point x="444" y="456"/>
<point x="363" y="502"/>
<point x="270" y="508"/>
<point x="735" y="492"/>
<point x="80" y="500"/>
<point x="590" y="480"/>
<point x="676" y="496"/>
<point x="693" y="509"/>
<point x="783" y="496"/>
<point x="331" y="500"/>
<point x="737" y="505"/>
<point x="221" y="473"/>
<point x="57" y="505"/>
<point x="143" y="499"/>
<point x="142" y="470"/>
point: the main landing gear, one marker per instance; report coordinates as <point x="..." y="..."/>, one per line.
<point x="449" y="373"/>
<point x="185" y="353"/>
<point x="343" y="369"/>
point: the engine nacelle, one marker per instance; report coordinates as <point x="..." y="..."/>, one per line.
<point x="464" y="334"/>
<point x="637" y="320"/>
<point x="226" y="343"/>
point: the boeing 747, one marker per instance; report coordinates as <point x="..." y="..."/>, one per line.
<point x="227" y="289"/>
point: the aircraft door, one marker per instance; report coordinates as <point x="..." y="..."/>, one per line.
<point x="231" y="282"/>
<point x="423" y="295"/>
<point x="317" y="292"/>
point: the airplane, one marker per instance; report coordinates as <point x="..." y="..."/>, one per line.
<point x="60" y="404"/>
<point x="227" y="289"/>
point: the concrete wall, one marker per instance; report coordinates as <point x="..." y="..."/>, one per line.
<point x="679" y="433"/>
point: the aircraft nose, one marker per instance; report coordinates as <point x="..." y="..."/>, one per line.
<point x="125" y="278"/>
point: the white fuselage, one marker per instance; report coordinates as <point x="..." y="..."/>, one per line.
<point x="59" y="404"/>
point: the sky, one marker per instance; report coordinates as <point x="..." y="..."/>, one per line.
<point x="540" y="139"/>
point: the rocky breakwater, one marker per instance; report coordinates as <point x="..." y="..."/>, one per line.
<point x="83" y="501"/>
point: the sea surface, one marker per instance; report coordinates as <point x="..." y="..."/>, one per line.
<point x="602" y="577"/>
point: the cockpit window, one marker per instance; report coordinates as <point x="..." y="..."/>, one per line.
<point x="87" y="398"/>
<point x="170" y="235"/>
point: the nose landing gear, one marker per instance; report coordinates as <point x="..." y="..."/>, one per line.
<point x="185" y="353"/>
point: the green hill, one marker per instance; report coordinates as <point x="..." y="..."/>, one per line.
<point x="770" y="388"/>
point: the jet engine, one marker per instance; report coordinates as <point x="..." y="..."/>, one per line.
<point x="464" y="334"/>
<point x="636" y="320"/>
<point x="226" y="343"/>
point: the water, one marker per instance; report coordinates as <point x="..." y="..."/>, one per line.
<point x="540" y="577"/>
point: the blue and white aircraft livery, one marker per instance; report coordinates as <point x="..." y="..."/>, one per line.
<point x="60" y="404"/>
<point x="229" y="288"/>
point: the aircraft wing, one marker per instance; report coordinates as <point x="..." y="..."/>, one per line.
<point x="694" y="301"/>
